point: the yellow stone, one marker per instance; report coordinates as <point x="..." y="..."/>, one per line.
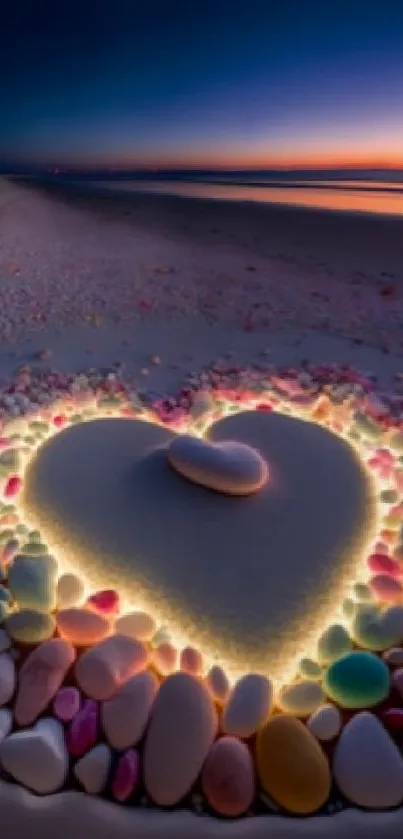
<point x="292" y="768"/>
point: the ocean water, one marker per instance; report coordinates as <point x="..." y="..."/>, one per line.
<point x="353" y="194"/>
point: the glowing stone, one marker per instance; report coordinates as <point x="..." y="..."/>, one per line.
<point x="228" y="780"/>
<point x="358" y="680"/>
<point x="190" y="551"/>
<point x="228" y="467"/>
<point x="292" y="767"/>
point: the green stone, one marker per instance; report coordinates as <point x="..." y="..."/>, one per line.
<point x="358" y="680"/>
<point x="366" y="426"/>
<point x="30" y="627"/>
<point x="6" y="535"/>
<point x="310" y="669"/>
<point x="376" y="629"/>
<point x="349" y="608"/>
<point x="396" y="442"/>
<point x="389" y="496"/>
<point x="333" y="643"/>
<point x="32" y="582"/>
<point x="34" y="549"/>
<point x="39" y="427"/>
<point x="34" y="536"/>
<point x="362" y="592"/>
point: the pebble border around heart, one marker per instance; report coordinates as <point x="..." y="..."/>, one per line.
<point x="98" y="701"/>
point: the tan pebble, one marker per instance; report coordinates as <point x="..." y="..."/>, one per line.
<point x="165" y="658"/>
<point x="138" y="625"/>
<point x="82" y="627"/>
<point x="182" y="730"/>
<point x="191" y="661"/>
<point x="218" y="684"/>
<point x="300" y="699"/>
<point x="103" y="669"/>
<point x="70" y="591"/>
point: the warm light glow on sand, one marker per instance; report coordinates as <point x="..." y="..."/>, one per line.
<point x="326" y="612"/>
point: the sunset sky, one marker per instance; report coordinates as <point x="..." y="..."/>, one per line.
<point x="202" y="82"/>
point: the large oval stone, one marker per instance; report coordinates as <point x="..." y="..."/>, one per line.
<point x="367" y="765"/>
<point x="228" y="467"/>
<point x="292" y="767"/>
<point x="182" y="730"/>
<point x="131" y="522"/>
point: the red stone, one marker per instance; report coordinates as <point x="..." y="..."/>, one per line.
<point x="105" y="602"/>
<point x="263" y="406"/>
<point x="127" y="775"/>
<point x="380" y="563"/>
<point x="13" y="486"/>
<point x="59" y="421"/>
<point x="393" y="719"/>
<point x="83" y="730"/>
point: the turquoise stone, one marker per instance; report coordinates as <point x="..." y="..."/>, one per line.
<point x="358" y="680"/>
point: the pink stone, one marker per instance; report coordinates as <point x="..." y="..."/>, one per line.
<point x="13" y="486"/>
<point x="386" y="589"/>
<point x="191" y="661"/>
<point x="105" y="602"/>
<point x="40" y="677"/>
<point x="83" y="730"/>
<point x="228" y="780"/>
<point x="127" y="775"/>
<point x="165" y="658"/>
<point x="66" y="703"/>
<point x="381" y="564"/>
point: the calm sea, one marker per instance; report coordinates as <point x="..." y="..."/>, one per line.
<point x="356" y="195"/>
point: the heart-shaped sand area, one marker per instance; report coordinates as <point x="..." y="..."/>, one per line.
<point x="248" y="580"/>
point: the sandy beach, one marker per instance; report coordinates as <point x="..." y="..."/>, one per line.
<point x="68" y="259"/>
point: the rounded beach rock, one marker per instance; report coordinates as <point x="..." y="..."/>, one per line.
<point x="229" y="467"/>
<point x="7" y="678"/>
<point x="40" y="677"/>
<point x="93" y="768"/>
<point x="32" y="582"/>
<point x="358" y="680"/>
<point x="367" y="765"/>
<point x="248" y="706"/>
<point x="103" y="669"/>
<point x="291" y="765"/>
<point x="325" y="723"/>
<point x="82" y="627"/>
<point x="126" y="715"/>
<point x="301" y="699"/>
<point x="138" y="625"/>
<point x="228" y="777"/>
<point x="37" y="757"/>
<point x="69" y="591"/>
<point x="333" y="643"/>
<point x="218" y="684"/>
<point x="182" y="730"/>
<point x="28" y="626"/>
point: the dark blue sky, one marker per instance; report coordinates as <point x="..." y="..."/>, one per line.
<point x="226" y="82"/>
